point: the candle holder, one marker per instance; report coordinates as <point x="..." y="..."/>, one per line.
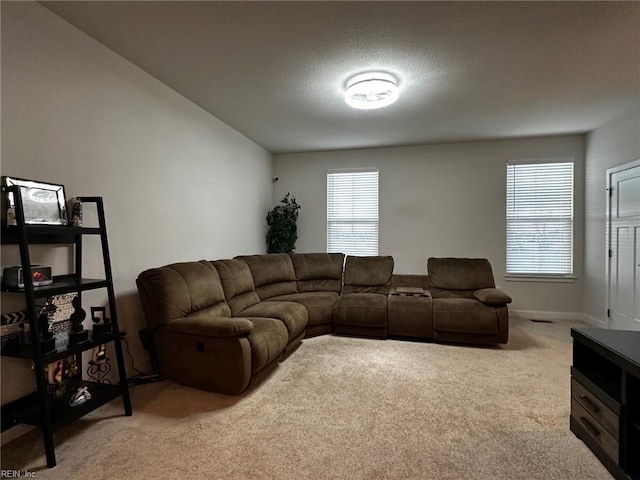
<point x="101" y="323"/>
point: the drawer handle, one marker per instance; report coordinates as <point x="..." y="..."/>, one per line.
<point x="589" y="403"/>
<point x="587" y="424"/>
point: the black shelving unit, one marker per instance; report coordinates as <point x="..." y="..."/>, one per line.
<point x="39" y="408"/>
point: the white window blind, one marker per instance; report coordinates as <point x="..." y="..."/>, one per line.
<point x="540" y="219"/>
<point x="352" y="212"/>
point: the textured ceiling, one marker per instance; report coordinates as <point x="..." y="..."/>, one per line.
<point x="276" y="71"/>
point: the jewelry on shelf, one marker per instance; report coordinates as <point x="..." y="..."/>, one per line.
<point x="81" y="396"/>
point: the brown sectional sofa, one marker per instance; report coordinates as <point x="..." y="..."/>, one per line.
<point x="223" y="325"/>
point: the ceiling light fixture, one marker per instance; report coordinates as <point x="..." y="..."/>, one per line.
<point x="368" y="91"/>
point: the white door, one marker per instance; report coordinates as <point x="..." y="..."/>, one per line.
<point x="624" y="244"/>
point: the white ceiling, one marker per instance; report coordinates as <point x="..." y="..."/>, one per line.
<point x="276" y="71"/>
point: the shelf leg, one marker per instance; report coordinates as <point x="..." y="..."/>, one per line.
<point x="122" y="372"/>
<point x="126" y="399"/>
<point x="49" y="448"/>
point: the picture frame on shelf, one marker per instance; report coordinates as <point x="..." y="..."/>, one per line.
<point x="42" y="203"/>
<point x="60" y="374"/>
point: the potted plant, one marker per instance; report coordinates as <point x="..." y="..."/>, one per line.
<point x="283" y="229"/>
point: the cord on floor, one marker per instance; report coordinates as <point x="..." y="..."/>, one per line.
<point x="141" y="377"/>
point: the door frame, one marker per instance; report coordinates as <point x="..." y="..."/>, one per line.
<point x="610" y="172"/>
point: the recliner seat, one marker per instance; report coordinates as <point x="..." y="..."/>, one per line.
<point x="362" y="307"/>
<point x="467" y="308"/>
<point x="199" y="342"/>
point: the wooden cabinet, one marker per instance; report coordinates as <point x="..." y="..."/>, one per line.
<point x="605" y="397"/>
<point x="40" y="408"/>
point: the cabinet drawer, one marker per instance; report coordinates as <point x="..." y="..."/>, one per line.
<point x="595" y="431"/>
<point x="598" y="410"/>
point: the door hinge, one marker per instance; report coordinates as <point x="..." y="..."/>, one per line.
<point x="610" y="253"/>
<point x="608" y="313"/>
<point x="610" y="191"/>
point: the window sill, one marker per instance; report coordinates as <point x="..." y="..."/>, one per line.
<point x="541" y="278"/>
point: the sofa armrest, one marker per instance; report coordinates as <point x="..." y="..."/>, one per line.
<point x="492" y="296"/>
<point x="208" y="326"/>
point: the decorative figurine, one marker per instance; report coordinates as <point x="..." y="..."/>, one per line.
<point x="71" y="367"/>
<point x="47" y="340"/>
<point x="78" y="333"/>
<point x="101" y="323"/>
<point x="81" y="396"/>
<point x="58" y="372"/>
<point x="59" y="380"/>
<point x="76" y="212"/>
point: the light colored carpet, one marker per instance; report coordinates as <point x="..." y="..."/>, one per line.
<point x="346" y="408"/>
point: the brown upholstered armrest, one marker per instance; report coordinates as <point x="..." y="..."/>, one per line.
<point x="208" y="326"/>
<point x="492" y="296"/>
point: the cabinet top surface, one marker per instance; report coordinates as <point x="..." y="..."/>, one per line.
<point x="623" y="342"/>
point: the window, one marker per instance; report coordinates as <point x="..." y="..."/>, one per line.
<point x="540" y="219"/>
<point x="352" y="212"/>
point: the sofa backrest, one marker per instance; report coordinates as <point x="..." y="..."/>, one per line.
<point x="177" y="290"/>
<point x="368" y="274"/>
<point x="318" y="272"/>
<point x="458" y="276"/>
<point x="273" y="274"/>
<point x="237" y="283"/>
<point x="410" y="280"/>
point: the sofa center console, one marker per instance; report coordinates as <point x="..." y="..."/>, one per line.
<point x="410" y="314"/>
<point x="605" y="397"/>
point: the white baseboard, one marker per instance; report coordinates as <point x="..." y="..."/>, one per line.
<point x="559" y="316"/>
<point x="539" y="315"/>
<point x="595" y="321"/>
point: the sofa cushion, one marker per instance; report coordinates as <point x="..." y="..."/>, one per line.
<point x="273" y="274"/>
<point x="492" y="296"/>
<point x="368" y="274"/>
<point x="318" y="272"/>
<point x="464" y="315"/>
<point x="293" y="315"/>
<point x="361" y="309"/>
<point x="176" y="290"/>
<point x="450" y="293"/>
<point x="460" y="273"/>
<point x="237" y="283"/>
<point x="319" y="305"/>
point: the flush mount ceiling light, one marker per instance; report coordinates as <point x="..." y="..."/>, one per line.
<point x="368" y="91"/>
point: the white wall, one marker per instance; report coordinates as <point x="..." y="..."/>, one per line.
<point x="440" y="200"/>
<point x="615" y="143"/>
<point x="177" y="183"/>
